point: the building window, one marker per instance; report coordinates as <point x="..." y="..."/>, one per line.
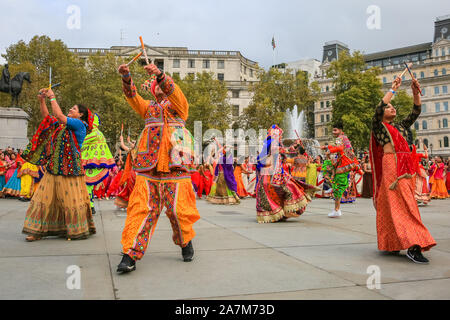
<point x="436" y="72"/>
<point x="416" y="125"/>
<point x="328" y="118"/>
<point x="220" y="76"/>
<point x="445" y="142"/>
<point x="176" y="75"/>
<point x="424" y="125"/>
<point x="440" y="143"/>
<point x="176" y="63"/>
<point x="439" y="124"/>
<point x="443" y="52"/>
<point x="235" y="110"/>
<point x="444" y="71"/>
<point x="322" y="118"/>
<point x="221" y="64"/>
<point x="424" y="91"/>
<point x="445" y="123"/>
<point x="415" y="75"/>
<point x="445" y="106"/>
<point x="191" y="75"/>
<point x="437" y="106"/>
<point x="444" y="89"/>
<point x="384" y="80"/>
<point x="328" y="88"/>
<point x="235" y="93"/>
<point x="321" y="104"/>
<point x="326" y="131"/>
<point x="436" y="90"/>
<point x="422" y="74"/>
<point x="425" y="142"/>
<point x="191" y="63"/>
<point x="251" y="72"/>
<point x="403" y="78"/>
<point x="206" y="64"/>
<point x="424" y="107"/>
<point x="328" y="104"/>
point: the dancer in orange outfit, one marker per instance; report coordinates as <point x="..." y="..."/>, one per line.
<point x="399" y="225"/>
<point x="422" y="193"/>
<point x="438" y="188"/>
<point x="162" y="176"/>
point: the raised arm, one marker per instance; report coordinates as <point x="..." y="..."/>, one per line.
<point x="122" y="144"/>
<point x="42" y="104"/>
<point x="139" y="104"/>
<point x="56" y="110"/>
<point x="417" y="108"/>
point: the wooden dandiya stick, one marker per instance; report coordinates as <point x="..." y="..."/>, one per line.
<point x="135" y="58"/>
<point x="412" y="77"/>
<point x="143" y="49"/>
<point x="50" y="79"/>
<point x="298" y="136"/>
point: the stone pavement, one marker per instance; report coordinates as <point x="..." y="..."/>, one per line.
<point x="311" y="257"/>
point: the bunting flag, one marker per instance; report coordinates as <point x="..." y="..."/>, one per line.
<point x="273" y="43"/>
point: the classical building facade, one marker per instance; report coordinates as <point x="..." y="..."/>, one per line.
<point x="431" y="64"/>
<point x="229" y="66"/>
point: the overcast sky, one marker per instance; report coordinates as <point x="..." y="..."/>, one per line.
<point x="300" y="27"/>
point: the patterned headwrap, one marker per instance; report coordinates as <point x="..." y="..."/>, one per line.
<point x="150" y="85"/>
<point x="273" y="131"/>
<point x="90" y="123"/>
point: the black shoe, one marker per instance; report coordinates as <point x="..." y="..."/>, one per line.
<point x="127" y="264"/>
<point x="414" y="253"/>
<point x="93" y="210"/>
<point x="188" y="252"/>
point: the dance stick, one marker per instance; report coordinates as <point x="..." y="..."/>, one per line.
<point x="143" y="49"/>
<point x="135" y="58"/>
<point x="121" y="131"/>
<point x="404" y="71"/>
<point x="50" y="79"/>
<point x="412" y="77"/>
<point x="56" y="85"/>
<point x="298" y="136"/>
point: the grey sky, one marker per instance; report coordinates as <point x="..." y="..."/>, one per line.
<point x="300" y="27"/>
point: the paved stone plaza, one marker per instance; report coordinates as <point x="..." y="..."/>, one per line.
<point x="311" y="257"/>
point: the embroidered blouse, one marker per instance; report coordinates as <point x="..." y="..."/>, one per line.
<point x="381" y="134"/>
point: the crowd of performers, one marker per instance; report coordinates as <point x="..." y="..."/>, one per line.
<point x="68" y="163"/>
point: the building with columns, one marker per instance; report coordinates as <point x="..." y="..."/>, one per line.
<point x="229" y="66"/>
<point x="431" y="66"/>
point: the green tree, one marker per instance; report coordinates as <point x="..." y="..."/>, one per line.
<point x="207" y="99"/>
<point x="273" y="94"/>
<point x="36" y="57"/>
<point x="357" y="90"/>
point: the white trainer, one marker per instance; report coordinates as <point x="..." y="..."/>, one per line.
<point x="335" y="214"/>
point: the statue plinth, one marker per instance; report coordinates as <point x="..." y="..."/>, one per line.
<point x="13" y="128"/>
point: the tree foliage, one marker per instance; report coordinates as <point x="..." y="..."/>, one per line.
<point x="95" y="83"/>
<point x="357" y="91"/>
<point x="273" y="94"/>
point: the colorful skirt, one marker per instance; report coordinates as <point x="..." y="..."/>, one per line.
<point x="2" y="184"/>
<point x="12" y="187"/>
<point x="439" y="189"/>
<point x="274" y="202"/>
<point x="123" y="197"/>
<point x="421" y="194"/>
<point x="221" y="194"/>
<point x="60" y="207"/>
<point x="399" y="225"/>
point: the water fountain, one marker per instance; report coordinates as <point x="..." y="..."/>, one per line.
<point x="296" y="125"/>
